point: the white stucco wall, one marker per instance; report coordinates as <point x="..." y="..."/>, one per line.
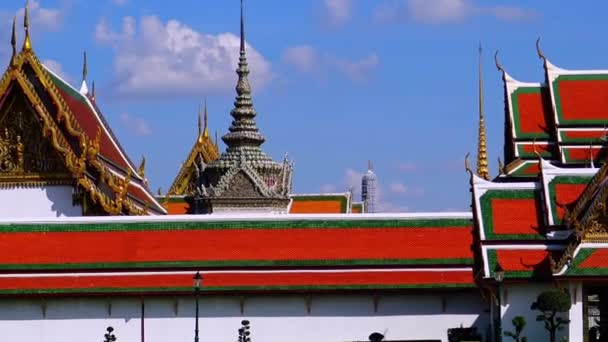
<point x="516" y="300"/>
<point x="332" y="318"/>
<point x="35" y="202"/>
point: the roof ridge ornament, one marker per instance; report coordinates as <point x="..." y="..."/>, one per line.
<point x="27" y="43"/>
<point x="14" y="43"/>
<point x="540" y="52"/>
<point x="84" y="89"/>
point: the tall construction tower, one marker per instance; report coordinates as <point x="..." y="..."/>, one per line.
<point x="369" y="189"/>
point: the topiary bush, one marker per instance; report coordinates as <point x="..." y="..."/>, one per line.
<point x="551" y="303"/>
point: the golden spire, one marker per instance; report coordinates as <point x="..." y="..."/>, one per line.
<point x="482" y="150"/>
<point x="85" y="70"/>
<point x="141" y="170"/>
<point x="14" y="43"/>
<point x="27" y="43"/>
<point x="205" y="120"/>
<point x="200" y="126"/>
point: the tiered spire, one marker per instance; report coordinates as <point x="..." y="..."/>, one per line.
<point x="243" y="139"/>
<point x="482" y="150"/>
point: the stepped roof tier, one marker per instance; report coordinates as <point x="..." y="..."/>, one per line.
<point x="236" y="253"/>
<point x="563" y="119"/>
<point x="56" y="134"/>
<point x="544" y="216"/>
<point x="244" y="177"/>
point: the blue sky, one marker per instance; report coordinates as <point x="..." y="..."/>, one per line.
<point x="336" y="82"/>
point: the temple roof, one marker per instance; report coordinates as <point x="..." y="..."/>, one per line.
<point x="204" y="147"/>
<point x="235" y="253"/>
<point x="337" y="203"/>
<point x="78" y="132"/>
<point x="563" y="119"/>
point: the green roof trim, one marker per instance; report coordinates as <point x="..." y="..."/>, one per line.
<point x="237" y="263"/>
<point x="487" y="215"/>
<point x="558" y="100"/>
<point x="231" y="288"/>
<point x="67" y="88"/>
<point x="493" y="262"/>
<point x="569" y="159"/>
<point x="343" y="199"/>
<point x="575" y="270"/>
<point x="522" y="171"/>
<point x="270" y="224"/>
<point x="516" y="114"/>
<point x="564" y="138"/>
<point x="523" y="154"/>
<point x="553" y="192"/>
<point x="172" y="199"/>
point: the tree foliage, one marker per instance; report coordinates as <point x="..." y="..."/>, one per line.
<point x="550" y="303"/>
<point x="519" y="323"/>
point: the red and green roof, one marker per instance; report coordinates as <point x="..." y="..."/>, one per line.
<point x="530" y="113"/>
<point x="511" y="214"/>
<point x="520" y="262"/>
<point x="148" y="245"/>
<point x="580" y="99"/>
<point x="564" y="193"/>
<point x="589" y="260"/>
<point x="320" y="204"/>
<point x="229" y="281"/>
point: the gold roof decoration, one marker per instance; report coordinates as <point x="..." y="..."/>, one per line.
<point x="204" y="148"/>
<point x="59" y="128"/>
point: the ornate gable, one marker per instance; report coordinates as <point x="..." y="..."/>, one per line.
<point x="25" y="155"/>
<point x="204" y="151"/>
<point x="109" y="187"/>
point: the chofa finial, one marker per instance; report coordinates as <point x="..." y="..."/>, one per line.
<point x="85" y="70"/>
<point x="539" y="51"/>
<point x="27" y="43"/>
<point x="498" y="65"/>
<point x="14" y="43"/>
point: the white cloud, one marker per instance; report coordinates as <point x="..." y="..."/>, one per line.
<point x="302" y="57"/>
<point x="154" y="58"/>
<point x="136" y="125"/>
<point x="359" y="70"/>
<point x="446" y="11"/>
<point x="401" y="189"/>
<point x="307" y="59"/>
<point x="57" y="68"/>
<point x="328" y="188"/>
<point x="338" y="11"/>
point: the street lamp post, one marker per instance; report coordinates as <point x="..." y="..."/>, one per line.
<point x="197" y="286"/>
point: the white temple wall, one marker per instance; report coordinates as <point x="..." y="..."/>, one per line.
<point x="516" y="299"/>
<point x="332" y="318"/>
<point x="36" y="202"/>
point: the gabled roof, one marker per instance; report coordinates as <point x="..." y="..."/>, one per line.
<point x="335" y="203"/>
<point x="564" y="119"/>
<point x="234" y="253"/>
<point x="79" y="133"/>
<point x="204" y="148"/>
